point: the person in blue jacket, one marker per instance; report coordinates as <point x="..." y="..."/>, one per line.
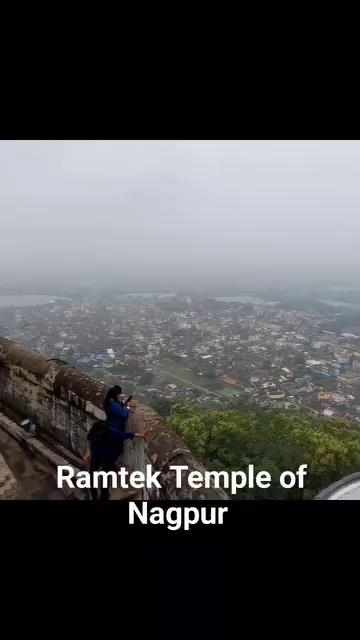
<point x="117" y="413"/>
<point x="106" y="439"/>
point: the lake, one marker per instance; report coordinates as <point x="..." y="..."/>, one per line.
<point x="243" y="299"/>
<point x="338" y="303"/>
<point x="145" y="295"/>
<point x="26" y="300"/>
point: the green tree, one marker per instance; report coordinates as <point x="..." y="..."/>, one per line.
<point x="162" y="406"/>
<point x="271" y="440"/>
<point x="147" y="377"/>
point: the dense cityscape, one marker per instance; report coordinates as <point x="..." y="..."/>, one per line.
<point x="211" y="351"/>
<point x="214" y="281"/>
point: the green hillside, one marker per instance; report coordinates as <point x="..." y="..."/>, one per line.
<point x="271" y="440"/>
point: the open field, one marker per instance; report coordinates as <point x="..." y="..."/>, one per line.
<point x="171" y="371"/>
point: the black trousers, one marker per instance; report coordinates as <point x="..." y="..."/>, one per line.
<point x="99" y="465"/>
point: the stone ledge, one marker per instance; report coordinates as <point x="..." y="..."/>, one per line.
<point x="8" y="481"/>
<point x="64" y="402"/>
<point x="37" y="448"/>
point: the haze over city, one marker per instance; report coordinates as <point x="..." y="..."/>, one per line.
<point x="206" y="291"/>
<point x="178" y="214"/>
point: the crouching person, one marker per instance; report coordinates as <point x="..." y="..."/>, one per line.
<point x="98" y="456"/>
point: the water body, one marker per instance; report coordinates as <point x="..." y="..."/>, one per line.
<point x="26" y="300"/>
<point x="243" y="299"/>
<point x="145" y="295"/>
<point x="339" y="304"/>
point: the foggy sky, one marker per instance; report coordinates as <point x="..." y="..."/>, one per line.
<point x="179" y="214"/>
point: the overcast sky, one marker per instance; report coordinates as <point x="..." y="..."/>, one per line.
<point x="178" y="214"/>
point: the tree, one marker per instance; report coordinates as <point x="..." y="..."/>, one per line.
<point x="162" y="406"/>
<point x="273" y="441"/>
<point x="147" y="377"/>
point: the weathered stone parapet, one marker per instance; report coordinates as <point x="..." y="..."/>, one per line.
<point x="63" y="402"/>
<point x="163" y="449"/>
<point x="7" y="481"/>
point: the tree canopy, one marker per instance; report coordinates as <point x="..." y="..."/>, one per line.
<point x="272" y="440"/>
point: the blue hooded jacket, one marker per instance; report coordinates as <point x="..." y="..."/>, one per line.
<point x="106" y="439"/>
<point x="117" y="415"/>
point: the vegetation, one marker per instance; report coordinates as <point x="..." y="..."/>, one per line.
<point x="271" y="440"/>
<point x="162" y="406"/>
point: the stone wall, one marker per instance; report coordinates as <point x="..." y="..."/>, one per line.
<point x="7" y="481"/>
<point x="64" y="402"/>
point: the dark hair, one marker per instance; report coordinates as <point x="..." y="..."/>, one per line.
<point x="112" y="395"/>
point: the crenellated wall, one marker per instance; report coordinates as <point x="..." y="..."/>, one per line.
<point x="63" y="402"/>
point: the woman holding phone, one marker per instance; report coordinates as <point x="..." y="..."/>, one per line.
<point x="117" y="413"/>
<point x="106" y="439"/>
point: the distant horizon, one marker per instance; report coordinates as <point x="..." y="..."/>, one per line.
<point x="81" y="290"/>
<point x="220" y="215"/>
